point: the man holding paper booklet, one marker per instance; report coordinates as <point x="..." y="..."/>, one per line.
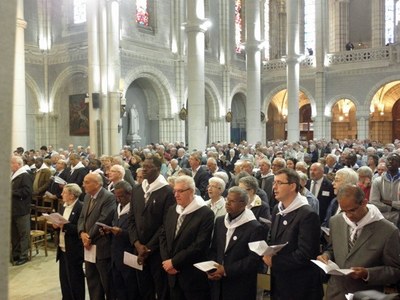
<point x="235" y="276"/>
<point x="363" y="241"/>
<point x="293" y="275"/>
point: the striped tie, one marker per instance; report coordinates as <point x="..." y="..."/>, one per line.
<point x="351" y="242"/>
<point x="179" y="223"/>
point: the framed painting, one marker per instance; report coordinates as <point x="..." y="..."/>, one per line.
<point x="78" y="115"/>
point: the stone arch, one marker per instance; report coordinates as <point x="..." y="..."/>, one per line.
<point x="67" y="73"/>
<point x="268" y="98"/>
<point x="168" y="105"/>
<point x="239" y="88"/>
<point x="336" y="98"/>
<point x="215" y="105"/>
<point x="33" y="86"/>
<point x="369" y="97"/>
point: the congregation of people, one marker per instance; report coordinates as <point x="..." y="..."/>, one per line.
<point x="172" y="208"/>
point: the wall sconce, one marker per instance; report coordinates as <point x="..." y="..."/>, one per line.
<point x="183" y="113"/>
<point x="228" y="117"/>
<point x="381" y="108"/>
<point x="122" y="106"/>
<point x="284" y="113"/>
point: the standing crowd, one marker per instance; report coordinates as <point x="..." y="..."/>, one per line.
<point x="170" y="208"/>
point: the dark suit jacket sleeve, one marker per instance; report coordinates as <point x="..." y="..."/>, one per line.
<point x="189" y="255"/>
<point x="249" y="262"/>
<point x="106" y="215"/>
<point x="308" y="240"/>
<point x="154" y="242"/>
<point x="24" y="188"/>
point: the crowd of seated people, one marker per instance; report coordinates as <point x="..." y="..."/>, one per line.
<point x="275" y="190"/>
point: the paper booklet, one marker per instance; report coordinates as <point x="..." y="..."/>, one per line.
<point x="59" y="180"/>
<point x="206" y="266"/>
<point x="331" y="268"/>
<point x="262" y="248"/>
<point x="55" y="218"/>
<point x="103" y="225"/>
<point x="325" y="230"/>
<point x="131" y="261"/>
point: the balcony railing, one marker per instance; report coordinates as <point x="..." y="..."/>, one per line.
<point x="384" y="54"/>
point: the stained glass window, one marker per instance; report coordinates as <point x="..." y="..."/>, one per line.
<point x="309" y="26"/>
<point x="238" y="26"/>
<point x="79" y="11"/>
<point x="142" y="14"/>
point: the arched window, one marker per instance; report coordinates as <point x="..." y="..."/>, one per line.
<point x="265" y="22"/>
<point x="239" y="25"/>
<point x="390" y="19"/>
<point x="142" y="13"/>
<point x="79" y="11"/>
<point x="309" y="26"/>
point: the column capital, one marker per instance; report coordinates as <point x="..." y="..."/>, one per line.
<point x="21" y="23"/>
<point x="197" y="25"/>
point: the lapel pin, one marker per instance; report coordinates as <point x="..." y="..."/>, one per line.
<point x="285" y="222"/>
<point x="235" y="238"/>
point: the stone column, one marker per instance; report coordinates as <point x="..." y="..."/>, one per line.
<point x="19" y="99"/>
<point x="342" y="35"/>
<point x="253" y="64"/>
<point x="292" y="69"/>
<point x="9" y="24"/>
<point x="195" y="66"/>
<point x="363" y="126"/>
<point x="93" y="71"/>
<point x="114" y="73"/>
<point x="378" y="22"/>
<point x="321" y="27"/>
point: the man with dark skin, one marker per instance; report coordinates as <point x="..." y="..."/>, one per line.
<point x="149" y="205"/>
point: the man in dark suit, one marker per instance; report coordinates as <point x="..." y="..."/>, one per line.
<point x="185" y="240"/>
<point x="321" y="188"/>
<point x="77" y="170"/>
<point x="70" y="249"/>
<point x="235" y="276"/>
<point x="124" y="277"/>
<point x="332" y="165"/>
<point x="183" y="162"/>
<point x="363" y="240"/>
<point x="149" y="206"/>
<point x="200" y="175"/>
<point x="21" y="193"/>
<point x="293" y="275"/>
<point x="99" y="206"/>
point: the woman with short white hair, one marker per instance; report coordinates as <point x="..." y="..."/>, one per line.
<point x="216" y="186"/>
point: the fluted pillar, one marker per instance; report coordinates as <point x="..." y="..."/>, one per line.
<point x="19" y="99"/>
<point x="253" y="65"/>
<point x="292" y="69"/>
<point x="195" y="65"/>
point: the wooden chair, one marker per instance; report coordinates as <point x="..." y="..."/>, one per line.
<point x="38" y="235"/>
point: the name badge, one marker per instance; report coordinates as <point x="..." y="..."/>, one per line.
<point x="325" y="193"/>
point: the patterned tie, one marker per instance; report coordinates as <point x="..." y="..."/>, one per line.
<point x="179" y="222"/>
<point x="91" y="203"/>
<point x="351" y="242"/>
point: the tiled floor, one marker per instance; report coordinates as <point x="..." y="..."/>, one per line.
<point x="38" y="279"/>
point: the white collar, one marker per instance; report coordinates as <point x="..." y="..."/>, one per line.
<point x="18" y="172"/>
<point x="154" y="186"/>
<point x="298" y="202"/>
<point x="124" y="210"/>
<point x="196" y="203"/>
<point x="245" y="217"/>
<point x="373" y="215"/>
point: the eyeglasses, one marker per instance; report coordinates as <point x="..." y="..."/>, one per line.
<point x="181" y="191"/>
<point x="279" y="183"/>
